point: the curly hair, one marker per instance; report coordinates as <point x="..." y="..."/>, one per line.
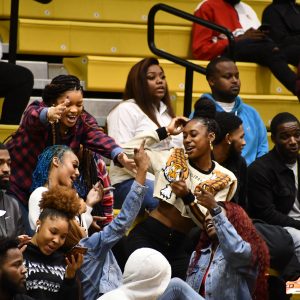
<point x="41" y="173"/>
<point x="260" y="253"/>
<point x="59" y="199"/>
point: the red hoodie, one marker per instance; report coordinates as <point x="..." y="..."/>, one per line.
<point x="206" y="43"/>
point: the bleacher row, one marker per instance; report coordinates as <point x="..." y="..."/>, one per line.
<point x="99" y="41"/>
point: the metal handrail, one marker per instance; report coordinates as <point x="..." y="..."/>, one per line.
<point x="190" y="67"/>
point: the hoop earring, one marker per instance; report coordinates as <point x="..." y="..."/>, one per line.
<point x="211" y="146"/>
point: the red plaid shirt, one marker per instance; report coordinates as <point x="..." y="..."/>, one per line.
<point x="33" y="136"/>
<point x="105" y="207"/>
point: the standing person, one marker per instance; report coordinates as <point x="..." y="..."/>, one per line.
<point x="50" y="274"/>
<point x="59" y="119"/>
<point x="231" y="259"/>
<point x="223" y="78"/>
<point x="11" y="221"/>
<point x="146" y="106"/>
<point x="251" y="45"/>
<point x="282" y="17"/>
<point x="12" y="271"/>
<point x="273" y="179"/>
<point x="167" y="226"/>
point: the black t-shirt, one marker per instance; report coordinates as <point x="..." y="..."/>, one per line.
<point x="46" y="276"/>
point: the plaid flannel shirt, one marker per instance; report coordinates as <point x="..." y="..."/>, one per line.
<point x="34" y="135"/>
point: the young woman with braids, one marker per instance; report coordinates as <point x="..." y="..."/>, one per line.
<point x="49" y="274"/>
<point x="146" y="106"/>
<point x="231" y="260"/>
<point x="58" y="165"/>
<point x="178" y="174"/>
<point x="59" y="119"/>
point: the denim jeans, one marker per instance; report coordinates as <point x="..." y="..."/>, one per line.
<point x="179" y="290"/>
<point x="123" y="188"/>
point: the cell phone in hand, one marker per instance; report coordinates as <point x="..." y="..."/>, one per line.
<point x="75" y="251"/>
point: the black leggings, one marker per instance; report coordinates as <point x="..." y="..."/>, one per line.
<point x="171" y="243"/>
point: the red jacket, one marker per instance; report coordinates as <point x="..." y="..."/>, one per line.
<point x="206" y="43"/>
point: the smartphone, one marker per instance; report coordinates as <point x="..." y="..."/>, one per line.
<point x="75" y="251"/>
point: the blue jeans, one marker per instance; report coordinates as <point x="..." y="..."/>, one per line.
<point x="123" y="188"/>
<point x="179" y="290"/>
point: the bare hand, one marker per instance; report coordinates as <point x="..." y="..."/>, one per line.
<point x="95" y="195"/>
<point x="252" y="34"/>
<point x="73" y="265"/>
<point x="180" y="188"/>
<point x="23" y="239"/>
<point x="55" y="112"/>
<point x="126" y="162"/>
<point x="95" y="225"/>
<point x="141" y="158"/>
<point x="176" y="126"/>
<point x="205" y="198"/>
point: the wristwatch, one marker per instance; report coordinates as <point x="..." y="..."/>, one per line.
<point x="215" y="211"/>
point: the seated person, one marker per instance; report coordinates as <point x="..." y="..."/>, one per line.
<point x="12" y="271"/>
<point x="147" y="275"/>
<point x="231" y="259"/>
<point x="251" y="45"/>
<point x="49" y="274"/>
<point x="58" y="166"/>
<point x="146" y="106"/>
<point x="273" y="179"/>
<point x="11" y="222"/>
<point x="282" y="18"/>
<point x="223" y="78"/>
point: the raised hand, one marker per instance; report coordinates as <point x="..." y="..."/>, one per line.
<point x="95" y="195"/>
<point x="73" y="265"/>
<point x="142" y="162"/>
<point x="55" y="112"/>
<point x="176" y="126"/>
<point x="205" y="198"/>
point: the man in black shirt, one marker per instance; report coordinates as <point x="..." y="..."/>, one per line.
<point x="12" y="271"/>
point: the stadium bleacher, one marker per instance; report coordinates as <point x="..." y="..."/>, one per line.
<point x="101" y="40"/>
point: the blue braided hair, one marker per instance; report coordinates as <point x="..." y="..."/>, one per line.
<point x="41" y="173"/>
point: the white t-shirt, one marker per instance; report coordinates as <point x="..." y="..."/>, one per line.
<point x="247" y="16"/>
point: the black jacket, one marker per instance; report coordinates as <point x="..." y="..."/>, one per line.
<point x="284" y="19"/>
<point x="271" y="190"/>
<point x="11" y="223"/>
